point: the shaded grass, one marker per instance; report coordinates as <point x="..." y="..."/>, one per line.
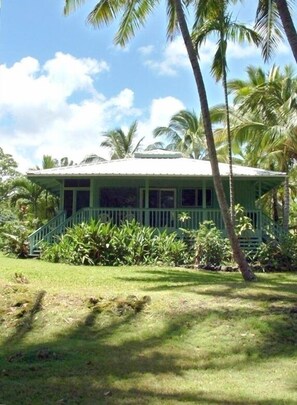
<point x="205" y="338"/>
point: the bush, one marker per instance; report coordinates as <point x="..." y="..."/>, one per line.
<point x="97" y="243"/>
<point x="211" y="248"/>
<point x="278" y="255"/>
<point x="15" y="241"/>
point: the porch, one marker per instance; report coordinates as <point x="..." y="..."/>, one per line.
<point x="172" y="220"/>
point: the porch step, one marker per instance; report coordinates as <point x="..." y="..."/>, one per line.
<point x="35" y="253"/>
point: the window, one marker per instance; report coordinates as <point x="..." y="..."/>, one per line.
<point x="73" y="183"/>
<point x="160" y="198"/>
<point x="118" y="197"/>
<point x="193" y="197"/>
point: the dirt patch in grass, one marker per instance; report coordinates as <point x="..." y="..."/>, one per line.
<point x="118" y="305"/>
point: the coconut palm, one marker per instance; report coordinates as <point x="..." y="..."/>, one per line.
<point x="272" y="18"/>
<point x="122" y="145"/>
<point x="133" y="14"/>
<point x="213" y="18"/>
<point x="185" y="133"/>
<point x="268" y="102"/>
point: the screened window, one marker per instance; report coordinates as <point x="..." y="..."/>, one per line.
<point x="160" y="198"/>
<point x="73" y="183"/>
<point x="118" y="197"/>
<point x="193" y="197"/>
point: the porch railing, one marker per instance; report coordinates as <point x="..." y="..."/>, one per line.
<point x="42" y="234"/>
<point x="171" y="219"/>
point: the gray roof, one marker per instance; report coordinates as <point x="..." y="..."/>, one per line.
<point x="152" y="166"/>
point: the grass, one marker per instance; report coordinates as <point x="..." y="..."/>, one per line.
<point x="69" y="335"/>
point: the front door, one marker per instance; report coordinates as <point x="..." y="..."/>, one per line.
<point x="161" y="203"/>
<point x="75" y="200"/>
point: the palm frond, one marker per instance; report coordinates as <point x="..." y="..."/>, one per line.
<point x="268" y="26"/>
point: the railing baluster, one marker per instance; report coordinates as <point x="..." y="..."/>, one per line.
<point x="158" y="218"/>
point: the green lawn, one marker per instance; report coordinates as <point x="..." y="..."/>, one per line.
<point x="204" y="338"/>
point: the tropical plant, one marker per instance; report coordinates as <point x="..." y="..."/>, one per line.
<point x="48" y="162"/>
<point x="122" y="145"/>
<point x="8" y="171"/>
<point x="16" y="243"/>
<point x="133" y="15"/>
<point x="242" y="222"/>
<point x="278" y="255"/>
<point x="26" y="192"/>
<point x="213" y="18"/>
<point x="274" y="17"/>
<point x="210" y="246"/>
<point x="185" y="133"/>
<point x="268" y="104"/>
<point x="98" y="243"/>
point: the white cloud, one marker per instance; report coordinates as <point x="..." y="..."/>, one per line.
<point x="161" y="110"/>
<point x="56" y="110"/>
<point x="174" y="57"/>
<point x="146" y="50"/>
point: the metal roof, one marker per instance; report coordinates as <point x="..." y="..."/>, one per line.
<point x="151" y="166"/>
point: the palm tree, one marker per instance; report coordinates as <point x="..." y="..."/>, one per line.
<point x="120" y="144"/>
<point x="23" y="189"/>
<point x="65" y="161"/>
<point x="213" y="18"/>
<point x="272" y="18"/>
<point x="48" y="162"/>
<point x="133" y="15"/>
<point x="185" y="133"/>
<point x="268" y="102"/>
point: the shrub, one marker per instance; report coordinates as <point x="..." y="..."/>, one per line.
<point x="211" y="248"/>
<point x="99" y="243"/>
<point x="171" y="250"/>
<point x="86" y="243"/>
<point x="278" y="255"/>
<point x="16" y="241"/>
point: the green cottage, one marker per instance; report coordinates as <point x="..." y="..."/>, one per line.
<point x="156" y="188"/>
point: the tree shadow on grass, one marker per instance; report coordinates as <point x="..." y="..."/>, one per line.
<point x="228" y="285"/>
<point x="275" y="299"/>
<point x="26" y="320"/>
<point x="92" y="375"/>
<point x="100" y="360"/>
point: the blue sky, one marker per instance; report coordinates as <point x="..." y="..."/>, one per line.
<point x="63" y="83"/>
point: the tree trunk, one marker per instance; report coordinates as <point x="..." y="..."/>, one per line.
<point x="230" y="160"/>
<point x="193" y="57"/>
<point x="288" y="25"/>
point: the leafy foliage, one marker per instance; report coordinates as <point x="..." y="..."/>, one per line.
<point x="98" y="243"/>
<point x="210" y="246"/>
<point x="279" y="255"/>
<point x="242" y="222"/>
<point x="16" y="243"/>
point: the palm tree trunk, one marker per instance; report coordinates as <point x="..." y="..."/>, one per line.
<point x="230" y="159"/>
<point x="237" y="252"/>
<point x="287" y="22"/>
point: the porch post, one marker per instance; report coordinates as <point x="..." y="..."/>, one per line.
<point x="204" y="215"/>
<point x="92" y="193"/>
<point x="260" y="219"/>
<point x="61" y="202"/>
<point x="146" y="203"/>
